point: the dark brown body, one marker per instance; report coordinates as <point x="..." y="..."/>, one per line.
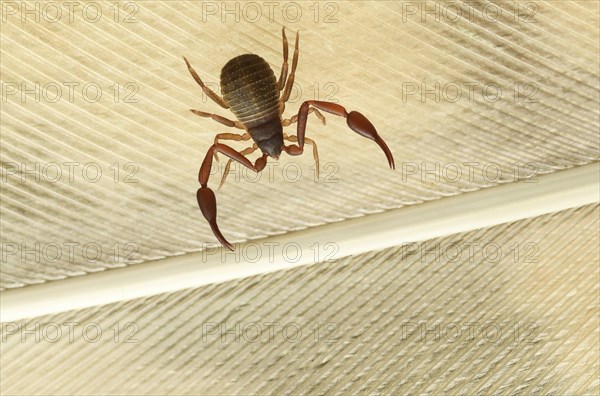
<point x="249" y="86"/>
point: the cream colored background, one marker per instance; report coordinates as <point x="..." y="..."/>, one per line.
<point x="369" y="54"/>
<point x="545" y="285"/>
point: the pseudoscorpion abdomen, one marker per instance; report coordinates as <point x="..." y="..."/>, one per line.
<point x="248" y="85"/>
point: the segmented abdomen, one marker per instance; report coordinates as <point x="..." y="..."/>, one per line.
<point x="249" y="86"/>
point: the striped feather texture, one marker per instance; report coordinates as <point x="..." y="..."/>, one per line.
<point x="517" y="314"/>
<point x="100" y="153"/>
